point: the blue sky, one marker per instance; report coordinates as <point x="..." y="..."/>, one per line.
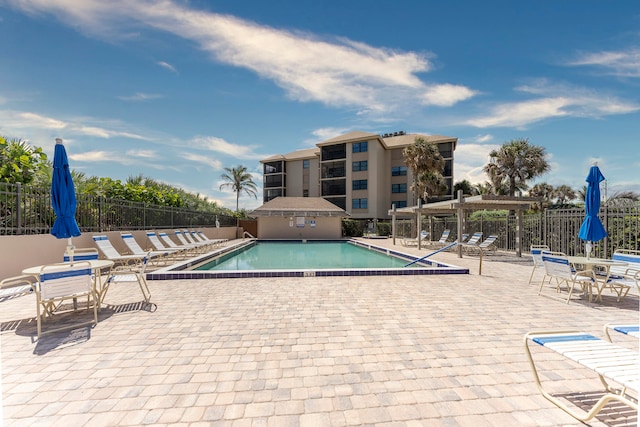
<point x="178" y="90"/>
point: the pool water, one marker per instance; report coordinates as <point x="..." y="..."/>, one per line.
<point x="309" y="255"/>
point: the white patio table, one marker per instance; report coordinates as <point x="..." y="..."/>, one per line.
<point x="590" y="263"/>
<point x="97" y="265"/>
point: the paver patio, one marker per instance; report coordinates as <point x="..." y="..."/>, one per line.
<point x="384" y="351"/>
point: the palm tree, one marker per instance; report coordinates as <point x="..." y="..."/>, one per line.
<point x="564" y="193"/>
<point x="466" y="188"/>
<point x="544" y="190"/>
<point x="240" y="181"/>
<point x="514" y="163"/>
<point x="427" y="166"/>
<point x="624" y="198"/>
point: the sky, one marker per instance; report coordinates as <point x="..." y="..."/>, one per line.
<point x="177" y="90"/>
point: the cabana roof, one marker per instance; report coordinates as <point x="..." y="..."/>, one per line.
<point x="299" y="206"/>
<point x="483" y="201"/>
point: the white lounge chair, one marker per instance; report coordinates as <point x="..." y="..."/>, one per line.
<point x="204" y="238"/>
<point x="536" y="255"/>
<point x="442" y="241"/>
<point x="191" y="249"/>
<point x="473" y="240"/>
<point x="17" y="286"/>
<point x="155" y="257"/>
<point x="64" y="281"/>
<point x="175" y="253"/>
<point x="625" y="329"/>
<point x="556" y="266"/>
<point x="107" y="249"/>
<point x="622" y="278"/>
<point x="488" y="244"/>
<point x="414" y="241"/>
<point x="609" y="361"/>
<point x="199" y="247"/>
<point x="134" y="274"/>
<point x="196" y="239"/>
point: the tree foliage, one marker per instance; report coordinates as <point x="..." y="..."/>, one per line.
<point x="240" y="181"/>
<point x="427" y="165"/>
<point x="467" y="188"/>
<point x="19" y="162"/>
<point x="513" y="164"/>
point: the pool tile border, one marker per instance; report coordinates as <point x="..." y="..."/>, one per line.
<point x="181" y="270"/>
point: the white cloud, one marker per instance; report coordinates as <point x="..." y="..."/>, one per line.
<point x="212" y="143"/>
<point x="168" y="66"/>
<point x="102" y="156"/>
<point x="204" y="160"/>
<point x="337" y="72"/>
<point x="322" y="134"/>
<point x="139" y="96"/>
<point x="618" y="63"/>
<point x="12" y="120"/>
<point x="554" y="100"/>
<point x="144" y="154"/>
<point x="446" y="95"/>
<point x="470" y="161"/>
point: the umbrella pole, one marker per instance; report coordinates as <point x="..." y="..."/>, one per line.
<point x="70" y="249"/>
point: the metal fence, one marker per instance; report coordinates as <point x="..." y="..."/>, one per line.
<point x="556" y="228"/>
<point x="27" y="210"/>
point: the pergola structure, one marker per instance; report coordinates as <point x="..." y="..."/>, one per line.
<point x="462" y="204"/>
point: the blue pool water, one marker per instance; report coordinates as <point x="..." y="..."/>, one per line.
<point x="258" y="259"/>
<point x="310" y="255"/>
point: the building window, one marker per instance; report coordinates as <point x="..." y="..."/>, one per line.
<point x="273" y="167"/>
<point x="399" y="203"/>
<point x="305" y="164"/>
<point x="273" y="181"/>
<point x="334" y="187"/>
<point x="360" y="166"/>
<point x="359" y="203"/>
<point x="398" y="171"/>
<point x="272" y="194"/>
<point x="305" y="193"/>
<point x="398" y="188"/>
<point x="332" y="152"/>
<point x="333" y="170"/>
<point x="360" y="147"/>
<point x="359" y="184"/>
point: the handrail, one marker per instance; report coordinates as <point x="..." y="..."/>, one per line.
<point x="432" y="253"/>
<point x="246" y="233"/>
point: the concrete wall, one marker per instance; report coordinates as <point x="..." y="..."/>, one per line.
<point x="20" y="252"/>
<point x="278" y="227"/>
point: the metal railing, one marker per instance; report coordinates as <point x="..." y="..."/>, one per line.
<point x="27" y="210"/>
<point x="557" y="228"/>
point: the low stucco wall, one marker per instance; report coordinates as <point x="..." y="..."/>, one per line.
<point x="20" y="252"/>
<point x="278" y="227"/>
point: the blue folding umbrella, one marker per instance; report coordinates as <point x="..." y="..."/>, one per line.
<point x="63" y="197"/>
<point x="592" y="229"/>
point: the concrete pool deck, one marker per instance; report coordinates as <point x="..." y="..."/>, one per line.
<point x="387" y="351"/>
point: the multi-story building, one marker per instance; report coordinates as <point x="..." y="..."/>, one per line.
<point x="360" y="172"/>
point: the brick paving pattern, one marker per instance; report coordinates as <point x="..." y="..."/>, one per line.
<point x="383" y="351"/>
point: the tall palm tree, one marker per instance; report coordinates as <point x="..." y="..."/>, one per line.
<point x="427" y="166"/>
<point x="514" y="163"/>
<point x="240" y="181"/>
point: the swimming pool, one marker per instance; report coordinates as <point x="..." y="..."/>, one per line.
<point x="246" y="259"/>
<point x="310" y="255"/>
